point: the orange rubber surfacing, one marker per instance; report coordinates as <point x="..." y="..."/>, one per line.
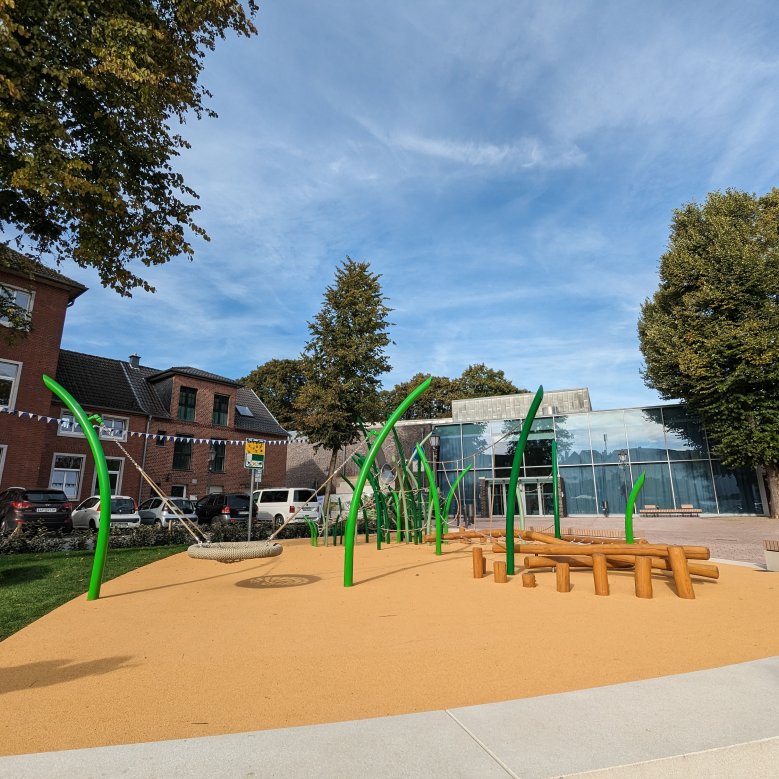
<point x="186" y="648"/>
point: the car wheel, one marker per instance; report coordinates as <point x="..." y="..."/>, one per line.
<point x="92" y="525"/>
<point x="278" y="521"/>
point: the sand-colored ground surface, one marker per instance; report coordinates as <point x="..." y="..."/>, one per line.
<point x="186" y="648"/>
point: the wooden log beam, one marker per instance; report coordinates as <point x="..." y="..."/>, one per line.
<point x="647" y="550"/>
<point x="678" y="563"/>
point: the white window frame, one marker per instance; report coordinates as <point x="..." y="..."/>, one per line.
<point x="83" y="458"/>
<point x="119" y="476"/>
<point x="31" y="292"/>
<point x="3" y="453"/>
<point x="15" y="386"/>
<point x="183" y="487"/>
<point x="77" y="433"/>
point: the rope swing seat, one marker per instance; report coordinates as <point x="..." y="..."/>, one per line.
<point x="234" y="551"/>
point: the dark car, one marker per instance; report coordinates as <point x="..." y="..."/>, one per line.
<point x="224" y="507"/>
<point x="31" y="509"/>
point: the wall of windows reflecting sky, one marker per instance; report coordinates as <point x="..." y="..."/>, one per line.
<point x="600" y="455"/>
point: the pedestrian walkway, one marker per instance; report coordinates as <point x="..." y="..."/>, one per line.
<point x="721" y="722"/>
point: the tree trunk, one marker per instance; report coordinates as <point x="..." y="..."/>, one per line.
<point x="329" y="487"/>
<point x="772" y="477"/>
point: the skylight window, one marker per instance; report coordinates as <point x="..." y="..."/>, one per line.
<point x="244" y="411"/>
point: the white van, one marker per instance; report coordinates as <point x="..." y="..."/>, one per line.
<point x="278" y="504"/>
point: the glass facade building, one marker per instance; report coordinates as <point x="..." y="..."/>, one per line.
<point x="600" y="456"/>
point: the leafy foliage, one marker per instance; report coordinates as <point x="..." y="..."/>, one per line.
<point x="710" y="334"/>
<point x="277" y="383"/>
<point x="88" y="92"/>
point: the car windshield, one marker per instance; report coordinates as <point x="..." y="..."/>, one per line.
<point x="238" y="501"/>
<point x="46" y="496"/>
<point x="184" y="505"/>
<point x="122" y="506"/>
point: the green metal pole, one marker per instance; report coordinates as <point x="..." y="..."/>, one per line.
<point x="555" y="490"/>
<point x="631" y="505"/>
<point x="402" y="481"/>
<point x="93" y="439"/>
<point x="396" y="503"/>
<point x="433" y="492"/>
<point x="511" y="498"/>
<point x="361" y="479"/>
<point x="449" y="498"/>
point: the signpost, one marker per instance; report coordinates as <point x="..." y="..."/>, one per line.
<point x="254" y="460"/>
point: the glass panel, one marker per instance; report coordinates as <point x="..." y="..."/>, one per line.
<point x="187" y="396"/>
<point x="607" y="430"/>
<point x="449" y="444"/>
<point x="737" y="490"/>
<point x="547" y="498"/>
<point x="693" y="485"/>
<point x="8" y="373"/>
<point x="645" y="434"/>
<point x="573" y="439"/>
<point x="614" y="486"/>
<point x="219" y="458"/>
<point x="657" y="487"/>
<point x="68" y="461"/>
<point x="538" y="453"/>
<point x="476" y="439"/>
<point x="684" y="435"/>
<point x="578" y="487"/>
<point x="504" y="437"/>
<point x="182" y="455"/>
<point x="220" y="409"/>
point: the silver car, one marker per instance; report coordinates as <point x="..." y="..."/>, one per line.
<point x="123" y="513"/>
<point x="154" y="511"/>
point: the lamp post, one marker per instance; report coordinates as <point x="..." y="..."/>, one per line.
<point x="623" y="461"/>
<point x="435" y="442"/>
<point x="211" y="459"/>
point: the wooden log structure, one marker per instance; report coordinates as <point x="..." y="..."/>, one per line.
<point x="600" y="574"/>
<point x="678" y="562"/>
<point x="643" y="577"/>
<point x="526" y="535"/>
<point x="499" y="571"/>
<point x="478" y="563"/>
<point x="528" y="580"/>
<point x="647" y="550"/>
<point x="563" y="571"/>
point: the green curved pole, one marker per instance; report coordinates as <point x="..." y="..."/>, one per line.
<point x="511" y="498"/>
<point x="433" y="496"/>
<point x="449" y="497"/>
<point x="631" y="505"/>
<point x="555" y="491"/>
<point x="351" y="522"/>
<point x="101" y="547"/>
<point x="402" y="481"/>
<point x="396" y="503"/>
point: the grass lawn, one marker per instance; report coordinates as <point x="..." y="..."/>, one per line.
<point x="31" y="585"/>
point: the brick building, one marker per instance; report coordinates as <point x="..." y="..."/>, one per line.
<point x="185" y="427"/>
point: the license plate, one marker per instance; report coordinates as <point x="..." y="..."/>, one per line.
<point x="41" y="511"/>
<point x="243" y="513"/>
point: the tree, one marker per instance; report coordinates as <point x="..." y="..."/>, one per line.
<point x="343" y="360"/>
<point x="277" y="384"/>
<point x="710" y="333"/>
<point x="434" y="403"/>
<point x="88" y="92"/>
<point x="479" y="381"/>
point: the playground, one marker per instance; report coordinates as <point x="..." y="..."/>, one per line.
<point x="184" y="647"/>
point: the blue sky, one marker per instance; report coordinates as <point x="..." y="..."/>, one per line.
<point x="510" y="168"/>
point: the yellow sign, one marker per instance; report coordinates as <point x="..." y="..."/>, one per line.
<point x="254" y="447"/>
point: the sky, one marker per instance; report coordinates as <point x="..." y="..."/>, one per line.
<point x="509" y="168"/>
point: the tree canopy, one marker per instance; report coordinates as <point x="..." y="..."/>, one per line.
<point x="89" y="90"/>
<point x="277" y="383"/>
<point x="710" y="333"/>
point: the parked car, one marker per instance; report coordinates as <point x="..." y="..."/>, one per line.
<point x="124" y="513"/>
<point x="154" y="511"/>
<point x="279" y="504"/>
<point x="34" y="508"/>
<point x="224" y="507"/>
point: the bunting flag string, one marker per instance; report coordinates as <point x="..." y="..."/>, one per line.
<point x="70" y="425"/>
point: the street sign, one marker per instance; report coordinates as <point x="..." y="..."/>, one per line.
<point x="254" y="455"/>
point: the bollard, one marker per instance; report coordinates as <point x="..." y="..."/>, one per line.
<point x="528" y="580"/>
<point x="499" y="571"/>
<point x="600" y="574"/>
<point x="563" y="571"/>
<point x="478" y="563"/>
<point x="643" y="577"/>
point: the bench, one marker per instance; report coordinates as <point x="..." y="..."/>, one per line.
<point x="685" y="510"/>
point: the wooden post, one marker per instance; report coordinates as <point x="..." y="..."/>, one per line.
<point x="600" y="574"/>
<point x="499" y="571"/>
<point x="528" y="580"/>
<point x="478" y="562"/>
<point x="563" y="571"/>
<point x="678" y="563"/>
<point x="643" y="577"/>
<point x="483" y="566"/>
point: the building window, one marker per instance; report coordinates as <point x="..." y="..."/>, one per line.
<point x="187" y="397"/>
<point x="112" y="429"/>
<point x="221" y="403"/>
<point x="21" y="297"/>
<point x="66" y="472"/>
<point x="218" y="463"/>
<point x="178" y="490"/>
<point x="182" y="453"/>
<point x="160" y="440"/>
<point x="9" y="382"/>
<point x="115" y="468"/>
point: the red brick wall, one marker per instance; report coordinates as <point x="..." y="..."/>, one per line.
<point x="38" y="353"/>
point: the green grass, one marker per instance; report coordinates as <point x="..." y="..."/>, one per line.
<point x="31" y="585"/>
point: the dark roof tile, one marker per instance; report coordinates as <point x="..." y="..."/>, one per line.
<point x="196" y="373"/>
<point x="262" y="420"/>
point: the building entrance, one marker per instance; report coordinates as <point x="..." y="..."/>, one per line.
<point x="536" y="495"/>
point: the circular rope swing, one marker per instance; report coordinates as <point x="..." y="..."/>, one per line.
<point x="234" y="551"/>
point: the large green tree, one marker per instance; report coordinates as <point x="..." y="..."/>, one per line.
<point x="278" y="383"/>
<point x="90" y="91"/>
<point x="710" y="333"/>
<point x="343" y="360"/>
<point x="479" y="381"/>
